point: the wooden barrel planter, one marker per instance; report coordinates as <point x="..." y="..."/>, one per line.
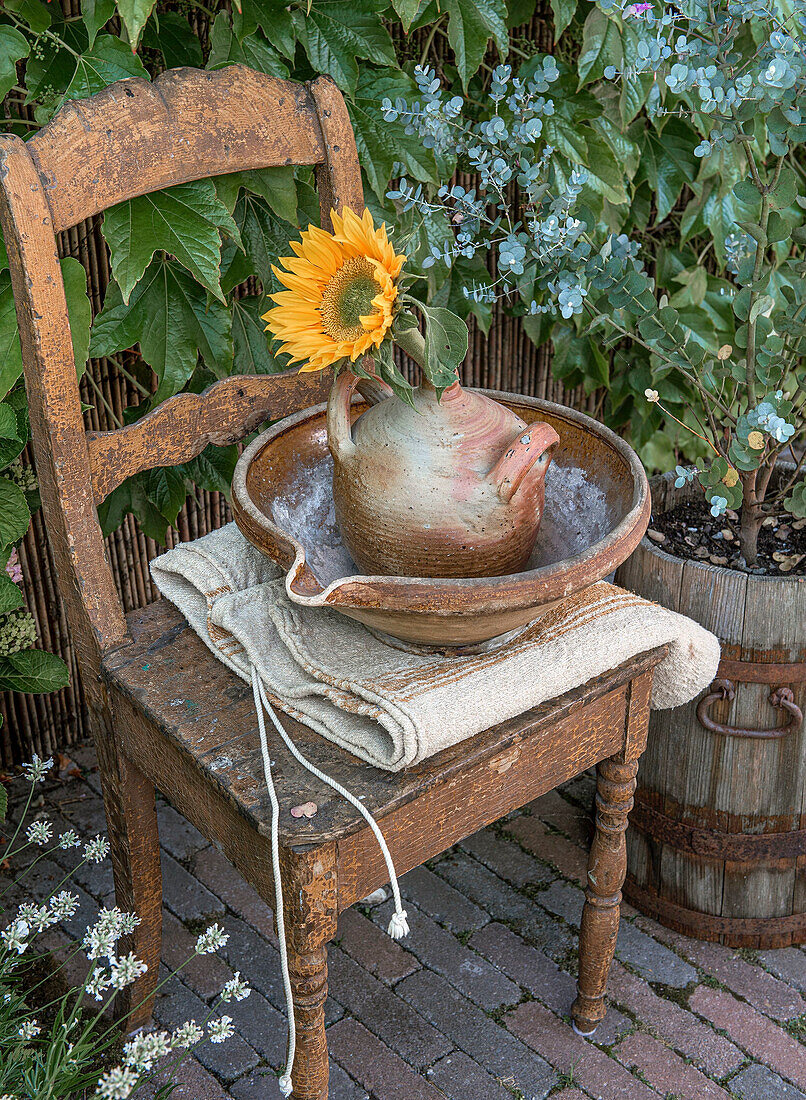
<point x="717" y="844"/>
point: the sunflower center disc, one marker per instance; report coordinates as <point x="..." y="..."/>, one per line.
<point x="347" y="298"/>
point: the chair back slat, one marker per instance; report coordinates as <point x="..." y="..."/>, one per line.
<point x="129" y="139"/>
<point x="135" y="137"/>
<point x="181" y="427"/>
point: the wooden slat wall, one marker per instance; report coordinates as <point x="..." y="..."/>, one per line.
<point x="45" y="724"/>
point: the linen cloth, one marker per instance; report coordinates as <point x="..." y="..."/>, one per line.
<point x="395" y="708"/>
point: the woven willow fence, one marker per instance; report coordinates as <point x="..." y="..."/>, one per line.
<point x="505" y="360"/>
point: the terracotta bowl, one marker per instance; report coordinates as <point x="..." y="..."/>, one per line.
<point x="597" y="509"/>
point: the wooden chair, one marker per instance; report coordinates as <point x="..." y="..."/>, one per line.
<point x="164" y="711"/>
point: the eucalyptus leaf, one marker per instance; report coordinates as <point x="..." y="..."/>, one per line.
<point x="761" y="305"/>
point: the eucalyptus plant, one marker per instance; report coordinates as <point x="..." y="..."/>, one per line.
<point x="735" y="72"/>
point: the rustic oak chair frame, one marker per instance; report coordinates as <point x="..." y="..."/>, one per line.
<point x="132" y="138"/>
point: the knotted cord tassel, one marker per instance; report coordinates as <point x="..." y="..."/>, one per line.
<point x="285" y="1085"/>
<point x="398" y="925"/>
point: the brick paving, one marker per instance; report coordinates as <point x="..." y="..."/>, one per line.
<point x="474" y="1005"/>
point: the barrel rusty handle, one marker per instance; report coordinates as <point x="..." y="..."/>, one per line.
<point x="779" y="697"/>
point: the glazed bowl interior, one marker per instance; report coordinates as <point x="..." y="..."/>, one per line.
<point x="597" y="507"/>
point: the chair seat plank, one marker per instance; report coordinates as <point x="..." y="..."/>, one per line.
<point x="169" y="675"/>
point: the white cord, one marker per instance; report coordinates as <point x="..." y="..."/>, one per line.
<point x="398" y="925"/>
<point x="285" y="1080"/>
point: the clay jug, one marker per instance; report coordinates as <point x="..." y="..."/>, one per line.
<point x="446" y="488"/>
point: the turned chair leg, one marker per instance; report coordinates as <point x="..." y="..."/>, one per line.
<point x="134" y="841"/>
<point x="607" y="867"/>
<point x="310" y="893"/>
<point x="308" y="970"/>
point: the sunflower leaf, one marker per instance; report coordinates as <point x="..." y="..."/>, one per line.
<point x="445" y="345"/>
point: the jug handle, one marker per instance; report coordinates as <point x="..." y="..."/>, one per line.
<point x="535" y="443"/>
<point x="339" y="434"/>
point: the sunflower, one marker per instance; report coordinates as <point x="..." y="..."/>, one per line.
<point x="341" y="292"/>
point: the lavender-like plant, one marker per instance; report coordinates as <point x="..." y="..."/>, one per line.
<point x="56" y="1050"/>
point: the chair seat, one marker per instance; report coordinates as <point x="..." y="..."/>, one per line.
<point x="171" y="678"/>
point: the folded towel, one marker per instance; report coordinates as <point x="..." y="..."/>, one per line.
<point x="395" y="708"/>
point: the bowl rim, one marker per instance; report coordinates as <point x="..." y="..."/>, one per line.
<point x="452" y="595"/>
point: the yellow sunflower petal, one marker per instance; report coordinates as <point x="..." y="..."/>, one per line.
<point x="339" y="291"/>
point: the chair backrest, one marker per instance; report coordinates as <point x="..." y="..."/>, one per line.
<point x="129" y="139"/>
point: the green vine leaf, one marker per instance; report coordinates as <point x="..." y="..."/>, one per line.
<point x="108" y="60"/>
<point x="32" y="12"/>
<point x="601" y="46"/>
<point x="13" y="48"/>
<point x="14" y="513"/>
<point x="96" y="14"/>
<point x="134" y="14"/>
<point x="173" y="321"/>
<point x="471" y="25"/>
<point x="165" y="488"/>
<point x="264" y="237"/>
<point x="34" y="671"/>
<point x="173" y="36"/>
<point x="10" y="595"/>
<point x="334" y="34"/>
<point x="276" y="185"/>
<point x="79" y="311"/>
<point x="250" y="341"/>
<point x="8" y="422"/>
<point x="183" y="221"/>
<point x="667" y="163"/>
<point x="274" y="19"/>
<point x="563" y="11"/>
<point x="254" y="51"/>
<point x="10" y="354"/>
<point x="213" y="468"/>
<point x="407" y="11"/>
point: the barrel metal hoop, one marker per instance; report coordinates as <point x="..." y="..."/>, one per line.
<point x="714" y="843"/>
<point x="767" y="931"/>
<point x="755" y="672"/>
